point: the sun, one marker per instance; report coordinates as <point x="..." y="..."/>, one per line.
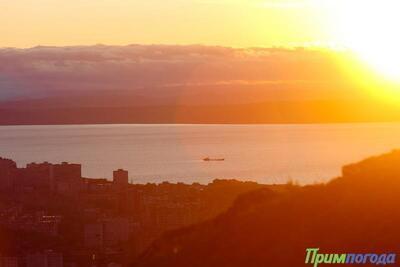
<point x="370" y="29"/>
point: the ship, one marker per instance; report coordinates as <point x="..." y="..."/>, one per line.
<point x="213" y="159"/>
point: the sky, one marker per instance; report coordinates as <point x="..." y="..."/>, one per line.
<point x="363" y="26"/>
<point x="362" y="30"/>
<point x="234" y="23"/>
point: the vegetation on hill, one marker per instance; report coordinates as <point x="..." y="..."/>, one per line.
<point x="356" y="213"/>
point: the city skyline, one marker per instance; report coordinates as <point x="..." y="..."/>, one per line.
<point x="201" y="133"/>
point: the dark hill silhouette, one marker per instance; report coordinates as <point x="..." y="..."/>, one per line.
<point x="356" y="213"/>
<point x="73" y="111"/>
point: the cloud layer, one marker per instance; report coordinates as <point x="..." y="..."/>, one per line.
<point x="158" y="71"/>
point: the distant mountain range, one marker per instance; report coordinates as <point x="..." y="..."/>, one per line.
<point x="356" y="213"/>
<point x="267" y="112"/>
<point x="182" y="84"/>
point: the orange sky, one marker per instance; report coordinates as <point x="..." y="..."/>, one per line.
<point x="243" y="23"/>
<point x="365" y="27"/>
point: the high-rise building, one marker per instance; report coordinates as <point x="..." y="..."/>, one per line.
<point x="67" y="171"/>
<point x="68" y="177"/>
<point x="8" y="170"/>
<point x="38" y="175"/>
<point x="120" y="177"/>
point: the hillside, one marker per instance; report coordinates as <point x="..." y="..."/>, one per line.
<point x="356" y="213"/>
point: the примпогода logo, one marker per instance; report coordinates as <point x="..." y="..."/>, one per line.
<point x="315" y="258"/>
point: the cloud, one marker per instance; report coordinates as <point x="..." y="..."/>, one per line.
<point x="159" y="70"/>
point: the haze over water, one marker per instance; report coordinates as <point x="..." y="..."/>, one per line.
<point x="155" y="153"/>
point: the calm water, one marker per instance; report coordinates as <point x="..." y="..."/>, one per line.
<point x="154" y="153"/>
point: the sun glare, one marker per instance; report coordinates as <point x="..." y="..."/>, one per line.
<point x="369" y="28"/>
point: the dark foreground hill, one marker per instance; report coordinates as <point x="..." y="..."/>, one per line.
<point x="356" y="213"/>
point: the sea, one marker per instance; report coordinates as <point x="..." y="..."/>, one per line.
<point x="152" y="153"/>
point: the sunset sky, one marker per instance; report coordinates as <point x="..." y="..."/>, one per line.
<point x="243" y="23"/>
<point x="365" y="27"/>
<point x="352" y="36"/>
